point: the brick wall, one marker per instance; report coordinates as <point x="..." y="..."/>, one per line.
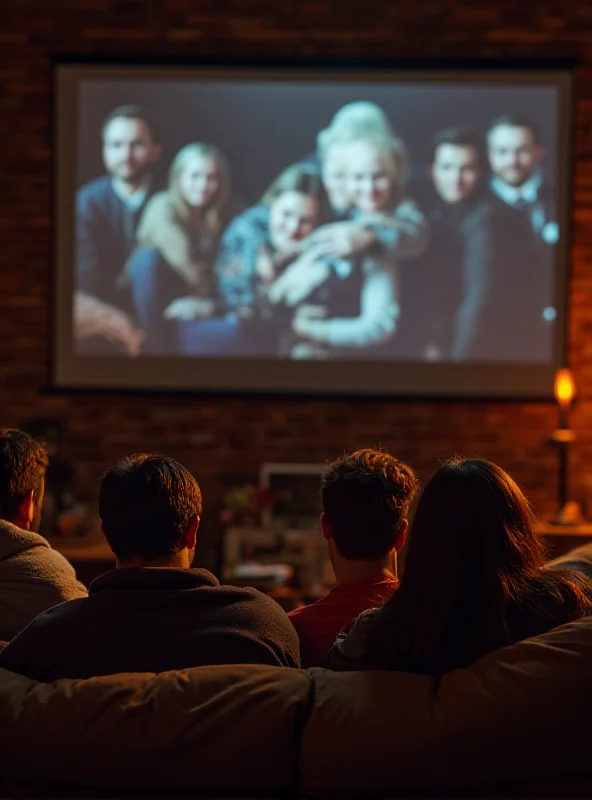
<point x="224" y="439"/>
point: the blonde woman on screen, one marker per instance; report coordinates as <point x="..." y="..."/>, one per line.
<point x="177" y="240"/>
<point x="352" y="121"/>
<point x="358" y="255"/>
<point x="259" y="243"/>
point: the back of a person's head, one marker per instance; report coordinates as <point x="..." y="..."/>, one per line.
<point x="366" y="498"/>
<point x="472" y="550"/>
<point x="146" y="503"/>
<point x="472" y="511"/>
<point x="23" y="464"/>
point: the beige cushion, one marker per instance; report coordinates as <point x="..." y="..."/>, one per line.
<point x="209" y="729"/>
<point x="520" y="713"/>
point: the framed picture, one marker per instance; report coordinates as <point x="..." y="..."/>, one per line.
<point x="295" y="493"/>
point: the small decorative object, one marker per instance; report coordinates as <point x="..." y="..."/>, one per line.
<point x="569" y="512"/>
<point x="77" y="523"/>
<point x="244" y="506"/>
<point x="270" y="558"/>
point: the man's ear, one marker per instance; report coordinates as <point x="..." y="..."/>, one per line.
<point x="190" y="537"/>
<point x="326" y="528"/>
<point x="26" y="511"/>
<point x="401" y="537"/>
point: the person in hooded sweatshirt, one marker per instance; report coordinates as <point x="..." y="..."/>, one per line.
<point x="33" y="577"/>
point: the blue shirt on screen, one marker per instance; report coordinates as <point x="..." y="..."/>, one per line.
<point x="105" y="237"/>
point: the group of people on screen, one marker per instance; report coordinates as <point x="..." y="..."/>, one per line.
<point x="344" y="256"/>
<point x="476" y="577"/>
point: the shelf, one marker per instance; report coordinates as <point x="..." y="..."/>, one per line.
<point x="80" y="550"/>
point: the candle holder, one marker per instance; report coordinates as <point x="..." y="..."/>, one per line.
<point x="569" y="512"/>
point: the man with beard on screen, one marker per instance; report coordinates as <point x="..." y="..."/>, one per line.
<point x="33" y="577"/>
<point x="108" y="210"/>
<point x="519" y="307"/>
<point x="490" y="263"/>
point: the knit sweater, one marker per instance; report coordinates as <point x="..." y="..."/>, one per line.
<point x="153" y="620"/>
<point x="33" y="578"/>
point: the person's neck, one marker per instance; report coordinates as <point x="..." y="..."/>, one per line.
<point x="128" y="189"/>
<point x="348" y="571"/>
<point x="177" y="561"/>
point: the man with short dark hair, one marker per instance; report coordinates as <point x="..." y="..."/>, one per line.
<point x="33" y="577"/>
<point x="152" y="613"/>
<point x="366" y="498"/>
<point x="108" y="211"/>
<point x="441" y="299"/>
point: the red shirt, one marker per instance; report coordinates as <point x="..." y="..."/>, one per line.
<point x="319" y="623"/>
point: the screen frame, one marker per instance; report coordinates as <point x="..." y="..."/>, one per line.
<point x="363" y="378"/>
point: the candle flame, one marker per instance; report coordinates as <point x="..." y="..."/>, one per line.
<point x="565" y="387"/>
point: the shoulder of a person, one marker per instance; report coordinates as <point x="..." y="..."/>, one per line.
<point x="45" y="552"/>
<point x="255" y="600"/>
<point x="351" y="644"/>
<point x="17" y="543"/>
<point x="160" y="203"/>
<point x="96" y="191"/>
<point x="306" y="611"/>
<point x="253" y="217"/>
<point x="547" y="187"/>
<point x="61" y="614"/>
<point x="421" y="189"/>
<point x="482" y="209"/>
<point x="407" y="206"/>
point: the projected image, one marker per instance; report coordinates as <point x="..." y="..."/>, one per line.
<point x="316" y="221"/>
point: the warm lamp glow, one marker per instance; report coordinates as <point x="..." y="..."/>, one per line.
<point x="565" y="387"/>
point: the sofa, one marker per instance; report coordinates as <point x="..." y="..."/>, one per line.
<point x="514" y="724"/>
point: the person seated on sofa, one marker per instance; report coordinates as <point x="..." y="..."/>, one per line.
<point x="366" y="498"/>
<point x="475" y="580"/>
<point x="33" y="577"/>
<point x="152" y="613"/>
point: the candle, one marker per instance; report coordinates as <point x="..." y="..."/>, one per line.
<point x="565" y="390"/>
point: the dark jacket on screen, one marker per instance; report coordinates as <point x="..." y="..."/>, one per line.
<point x="105" y="237"/>
<point x="153" y="620"/>
<point x="507" y="289"/>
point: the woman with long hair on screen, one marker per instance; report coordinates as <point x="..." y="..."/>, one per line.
<point x="254" y="251"/>
<point x="345" y="294"/>
<point x="475" y="580"/>
<point x="177" y="239"/>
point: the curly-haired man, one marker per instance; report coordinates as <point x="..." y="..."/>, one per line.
<point x="365" y="498"/>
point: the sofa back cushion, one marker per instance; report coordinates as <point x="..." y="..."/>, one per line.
<point x="519" y="713"/>
<point x="208" y="729"/>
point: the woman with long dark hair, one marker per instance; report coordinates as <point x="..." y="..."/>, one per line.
<point x="255" y="249"/>
<point x="475" y="580"/>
